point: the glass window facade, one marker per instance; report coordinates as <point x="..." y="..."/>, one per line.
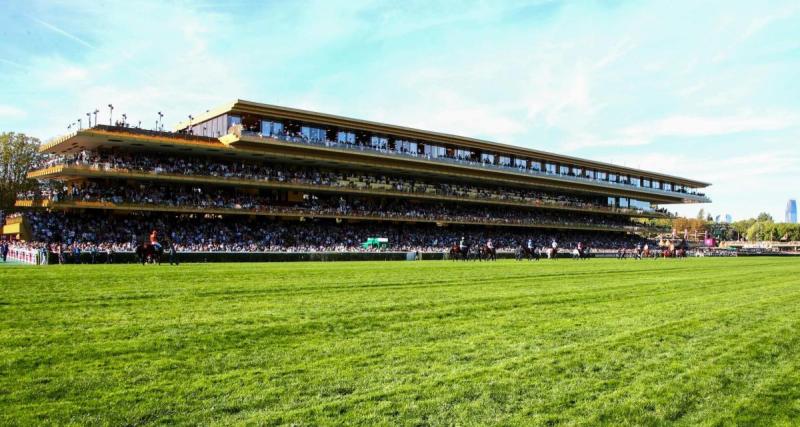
<point x="379" y="142"/>
<point x="346" y="137"/>
<point x="602" y="176"/>
<point x="563" y="170"/>
<point x="504" y="160"/>
<point x="640" y="204"/>
<point x="234" y="120"/>
<point x="434" y="151"/>
<point x="313" y="134"/>
<point x="487" y="158"/>
<point x="521" y="163"/>
<point x="270" y="128"/>
<point x="463" y="154"/>
<point x="404" y="146"/>
<point x="537" y="166"/>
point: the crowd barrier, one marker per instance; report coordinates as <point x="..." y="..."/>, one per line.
<point x="34" y="257"/>
<point x="25" y="256"/>
<point x="204" y="257"/>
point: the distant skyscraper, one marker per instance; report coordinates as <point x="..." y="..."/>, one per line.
<point x="791" y="211"/>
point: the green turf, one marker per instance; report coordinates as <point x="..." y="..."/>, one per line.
<point x="698" y="341"/>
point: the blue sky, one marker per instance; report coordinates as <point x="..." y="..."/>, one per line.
<point x="708" y="90"/>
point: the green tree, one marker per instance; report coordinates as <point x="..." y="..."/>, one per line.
<point x="701" y="215"/>
<point x="764" y="217"/>
<point x="18" y="153"/>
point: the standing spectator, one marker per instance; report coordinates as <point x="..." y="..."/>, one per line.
<point x="173" y="253"/>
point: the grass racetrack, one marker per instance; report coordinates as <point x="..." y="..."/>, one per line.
<point x="697" y="341"/>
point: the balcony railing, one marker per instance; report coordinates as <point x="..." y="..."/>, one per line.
<point x="700" y="197"/>
<point x="281" y="211"/>
<point x="352" y="187"/>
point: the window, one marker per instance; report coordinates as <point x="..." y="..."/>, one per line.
<point x="504" y="161"/>
<point x="656" y="185"/>
<point x="434" y="151"/>
<point x="563" y="170"/>
<point x="623" y="179"/>
<point x="521" y="163"/>
<point x="403" y="146"/>
<point x="345" y="137"/>
<point x="537" y="166"/>
<point x="270" y="128"/>
<point x="623" y="202"/>
<point x="602" y="176"/>
<point x="612" y="201"/>
<point x="589" y="174"/>
<point x="463" y="154"/>
<point x="313" y="134"/>
<point x="646" y="183"/>
<point x="612" y="177"/>
<point x="577" y="171"/>
<point x="667" y="186"/>
<point x="636" y="182"/>
<point x="550" y="167"/>
<point x="641" y="205"/>
<point x="234" y="120"/>
<point x="379" y="142"/>
<point x="487" y="158"/>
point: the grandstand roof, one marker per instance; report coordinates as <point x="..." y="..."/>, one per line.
<point x="240" y="106"/>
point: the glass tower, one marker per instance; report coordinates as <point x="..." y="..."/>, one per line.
<point x="791" y="211"/>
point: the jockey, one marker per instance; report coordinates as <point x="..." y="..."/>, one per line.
<point x="463" y="243"/>
<point x="530" y="244"/>
<point x="154" y="240"/>
<point x="554" y="244"/>
<point x="489" y="244"/>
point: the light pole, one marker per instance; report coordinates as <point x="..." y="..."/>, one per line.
<point x="124" y="118"/>
<point x="89" y="120"/>
<point x="80" y="124"/>
<point x="95" y="115"/>
<point x="158" y="122"/>
<point x="190" y="124"/>
<point x="110" y="113"/>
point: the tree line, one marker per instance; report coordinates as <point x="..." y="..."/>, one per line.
<point x="18" y="154"/>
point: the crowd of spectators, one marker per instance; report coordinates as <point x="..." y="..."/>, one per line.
<point x="180" y="196"/>
<point x="459" y="156"/>
<point x="122" y="161"/>
<point x="62" y="232"/>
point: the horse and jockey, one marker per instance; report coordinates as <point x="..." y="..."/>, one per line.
<point x="581" y="251"/>
<point x="552" y="252"/>
<point x="151" y="250"/>
<point x="464" y="250"/>
<point x="529" y="251"/>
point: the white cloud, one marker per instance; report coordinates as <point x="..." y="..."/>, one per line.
<point x="692" y="126"/>
<point x="10" y="112"/>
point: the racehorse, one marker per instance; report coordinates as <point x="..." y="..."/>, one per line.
<point x="487" y="253"/>
<point x="456" y="253"/>
<point x="552" y="253"/>
<point x="528" y="253"/>
<point x="147" y="252"/>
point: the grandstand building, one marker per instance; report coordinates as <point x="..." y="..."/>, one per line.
<point x="254" y="168"/>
